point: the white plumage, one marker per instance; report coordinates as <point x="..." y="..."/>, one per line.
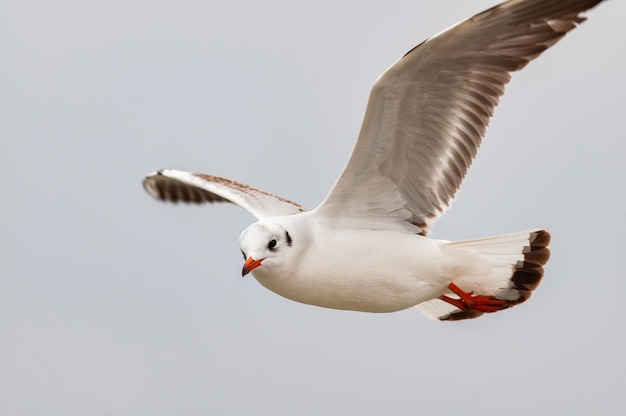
<point x="365" y="246"/>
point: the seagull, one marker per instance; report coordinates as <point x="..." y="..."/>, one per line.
<point x="366" y="246"/>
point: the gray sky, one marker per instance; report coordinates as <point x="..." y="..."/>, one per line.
<point x="113" y="304"/>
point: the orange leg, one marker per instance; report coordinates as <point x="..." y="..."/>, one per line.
<point x="467" y="300"/>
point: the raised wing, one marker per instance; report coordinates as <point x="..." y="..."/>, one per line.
<point x="175" y="186"/>
<point x="428" y="112"/>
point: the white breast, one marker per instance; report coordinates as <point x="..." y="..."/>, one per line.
<point x="364" y="270"/>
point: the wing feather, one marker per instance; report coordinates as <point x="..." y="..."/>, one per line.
<point x="179" y="186"/>
<point x="428" y="112"/>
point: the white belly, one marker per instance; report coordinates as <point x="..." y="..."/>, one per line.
<point x="385" y="272"/>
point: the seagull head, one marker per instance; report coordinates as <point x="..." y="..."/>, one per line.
<point x="264" y="243"/>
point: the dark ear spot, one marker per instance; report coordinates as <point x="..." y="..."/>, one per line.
<point x="288" y="237"/>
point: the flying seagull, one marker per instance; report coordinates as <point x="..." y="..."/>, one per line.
<point x="365" y="247"/>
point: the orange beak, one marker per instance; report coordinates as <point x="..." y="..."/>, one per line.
<point x="250" y="265"/>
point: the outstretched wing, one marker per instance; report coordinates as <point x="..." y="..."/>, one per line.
<point x="175" y="186"/>
<point x="428" y="112"/>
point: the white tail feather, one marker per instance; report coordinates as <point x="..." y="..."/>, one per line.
<point x="515" y="268"/>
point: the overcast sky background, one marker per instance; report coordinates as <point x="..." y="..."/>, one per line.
<point x="114" y="304"/>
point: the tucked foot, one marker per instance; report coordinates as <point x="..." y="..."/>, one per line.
<point x="477" y="303"/>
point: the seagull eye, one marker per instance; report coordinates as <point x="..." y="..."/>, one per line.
<point x="244" y="255"/>
<point x="271" y="244"/>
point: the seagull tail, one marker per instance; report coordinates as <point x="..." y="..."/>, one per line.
<point x="514" y="269"/>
